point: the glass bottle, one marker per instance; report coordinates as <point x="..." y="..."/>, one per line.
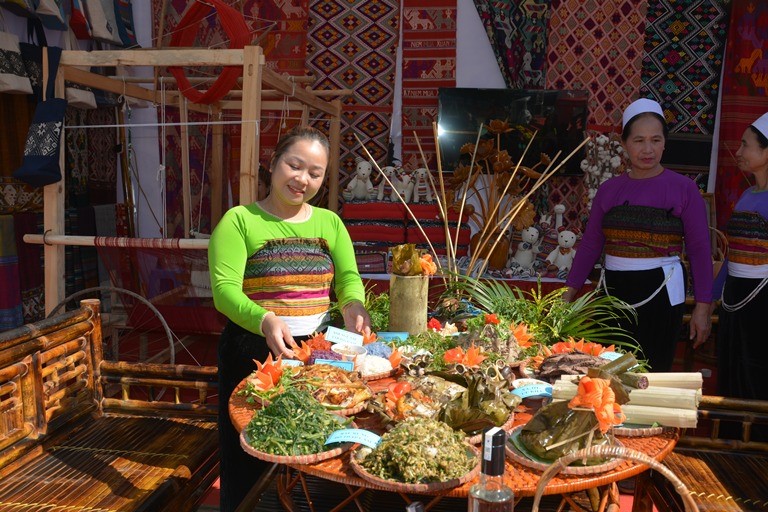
<point x="416" y="506"/>
<point x="490" y="494"/>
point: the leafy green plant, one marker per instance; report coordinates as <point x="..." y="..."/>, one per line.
<point x="377" y="305"/>
<point x="593" y="316"/>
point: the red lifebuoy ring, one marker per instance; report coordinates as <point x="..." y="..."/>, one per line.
<point x="234" y="26"/>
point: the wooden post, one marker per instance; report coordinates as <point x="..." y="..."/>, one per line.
<point x="186" y="187"/>
<point x="250" y="132"/>
<point x="333" y="166"/>
<point x="53" y="223"/>
<point x="217" y="175"/>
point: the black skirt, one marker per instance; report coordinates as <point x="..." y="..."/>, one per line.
<point x="658" y="324"/>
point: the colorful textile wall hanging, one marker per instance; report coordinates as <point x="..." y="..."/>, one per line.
<point x="429" y="62"/>
<point x="30" y="263"/>
<point x="745" y="97"/>
<point x="517" y="30"/>
<point x="102" y="157"/>
<point x="682" y="59"/>
<point x="597" y="46"/>
<point x="352" y="45"/>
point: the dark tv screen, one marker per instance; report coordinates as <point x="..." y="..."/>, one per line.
<point x="558" y="117"/>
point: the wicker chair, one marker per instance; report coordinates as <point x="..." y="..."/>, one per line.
<point x="619" y="452"/>
<point x="722" y="474"/>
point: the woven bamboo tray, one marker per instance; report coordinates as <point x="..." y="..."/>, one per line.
<point x="514" y="453"/>
<point x="431" y="487"/>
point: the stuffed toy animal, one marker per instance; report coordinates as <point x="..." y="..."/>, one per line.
<point x="404" y="187"/>
<point x="422" y="186"/>
<point x="385" y="187"/>
<point x="522" y="263"/>
<point x="360" y="186"/>
<point x="561" y="259"/>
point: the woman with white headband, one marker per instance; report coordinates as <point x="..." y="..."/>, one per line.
<point x="640" y="220"/>
<point x="741" y="283"/>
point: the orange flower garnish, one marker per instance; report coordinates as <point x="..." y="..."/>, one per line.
<point x="268" y="373"/>
<point x="472" y="357"/>
<point x="583" y="346"/>
<point x="428" y="267"/>
<point x="491" y="318"/>
<point x="318" y="342"/>
<point x="303" y="352"/>
<point x="596" y="394"/>
<point x="520" y="332"/>
<point x="395" y="357"/>
<point x="369" y="338"/>
<point x="434" y="324"/>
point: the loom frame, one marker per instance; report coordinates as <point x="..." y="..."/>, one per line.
<point x="253" y="101"/>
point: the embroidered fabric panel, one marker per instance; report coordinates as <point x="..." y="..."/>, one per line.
<point x="597" y="46"/>
<point x="744" y="97"/>
<point x="43" y="140"/>
<point x="517" y="30"/>
<point x="682" y="59"/>
<point x="291" y="276"/>
<point x="429" y="62"/>
<point x="748" y="238"/>
<point x="642" y="232"/>
<point x="352" y="46"/>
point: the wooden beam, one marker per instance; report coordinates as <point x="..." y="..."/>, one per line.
<point x="153" y="57"/>
<point x="250" y="131"/>
<point x="292" y="89"/>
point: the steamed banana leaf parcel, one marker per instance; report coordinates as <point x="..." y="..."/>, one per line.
<point x="564" y="427"/>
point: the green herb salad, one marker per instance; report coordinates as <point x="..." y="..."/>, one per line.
<point x="294" y="423"/>
<point x="419" y="450"/>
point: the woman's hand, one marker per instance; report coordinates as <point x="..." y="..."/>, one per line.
<point x="701" y="323"/>
<point x="278" y="335"/>
<point x="569" y="294"/>
<point x="356" y="318"/>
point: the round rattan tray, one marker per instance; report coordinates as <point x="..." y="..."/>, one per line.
<point x="430" y="487"/>
<point x="295" y="459"/>
<point x="514" y="454"/>
<point x="506" y="427"/>
<point x="380" y="375"/>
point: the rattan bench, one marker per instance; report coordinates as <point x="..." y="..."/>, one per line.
<point x="721" y="474"/>
<point x="78" y="433"/>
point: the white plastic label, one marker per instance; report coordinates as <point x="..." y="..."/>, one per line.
<point x="336" y="335"/>
<point x="354" y="435"/>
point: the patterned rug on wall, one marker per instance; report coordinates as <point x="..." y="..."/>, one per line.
<point x="429" y="62"/>
<point x="517" y="30"/>
<point x="745" y="97"/>
<point x="597" y="46"/>
<point x="284" y="46"/>
<point x="682" y="59"/>
<point x="352" y="45"/>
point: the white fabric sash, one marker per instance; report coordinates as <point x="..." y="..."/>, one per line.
<point x="305" y="325"/>
<point x="748" y="271"/>
<point x="673" y="272"/>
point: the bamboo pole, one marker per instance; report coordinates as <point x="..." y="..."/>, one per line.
<point x="186" y="188"/>
<point x="90" y="241"/>
<point x="249" y="135"/>
<point x="217" y="175"/>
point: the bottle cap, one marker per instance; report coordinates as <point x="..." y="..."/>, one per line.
<point x="493" y="451"/>
<point x="416" y="506"/>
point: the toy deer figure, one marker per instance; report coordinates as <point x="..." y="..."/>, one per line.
<point x="422" y="185"/>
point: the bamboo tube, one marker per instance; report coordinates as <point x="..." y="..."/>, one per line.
<point x="666" y="416"/>
<point x="675" y="398"/>
<point x="408" y="303"/>
<point x="682" y="380"/>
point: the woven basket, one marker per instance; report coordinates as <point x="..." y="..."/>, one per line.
<point x="619" y="452"/>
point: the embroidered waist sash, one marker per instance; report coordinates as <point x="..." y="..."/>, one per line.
<point x="642" y="232"/>
<point x="747" y="234"/>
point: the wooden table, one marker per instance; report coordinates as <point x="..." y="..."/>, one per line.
<point x="600" y="488"/>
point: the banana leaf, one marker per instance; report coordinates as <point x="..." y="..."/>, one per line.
<point x="556" y="430"/>
<point x="475" y="409"/>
